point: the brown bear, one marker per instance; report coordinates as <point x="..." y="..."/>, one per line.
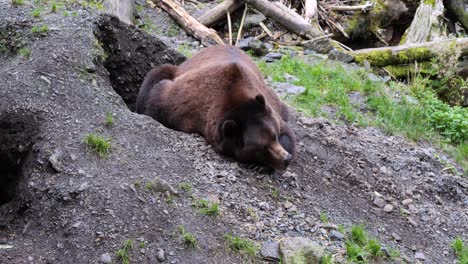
<point x="220" y="94"/>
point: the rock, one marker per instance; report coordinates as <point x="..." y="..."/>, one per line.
<point x="396" y="237"/>
<point x="320" y="46"/>
<point x="252" y="20"/>
<point x="270" y="251"/>
<point x="335" y="235"/>
<point x="287" y="88"/>
<point x="55" y="161"/>
<point x="419" y="255"/>
<point x="407" y="201"/>
<point x="290" y="78"/>
<point x="160" y="185"/>
<point x="161" y="256"/>
<point x="288" y="205"/>
<point x="105" y="258"/>
<point x="297" y="250"/>
<point x="254" y="45"/>
<point x="340" y="56"/>
<point x="388" y="208"/>
<point x="379" y="202"/>
<point x="273" y="56"/>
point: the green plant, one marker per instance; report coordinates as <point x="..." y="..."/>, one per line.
<point x="36" y="13"/>
<point x="95" y="4"/>
<point x="323" y="217"/>
<point x="24" y="52"/>
<point x="142" y="244"/>
<point x="275" y="194"/>
<point x="74" y="13"/>
<point x="17" y="2"/>
<point x="149" y="186"/>
<point x="252" y="213"/>
<point x="173" y="31"/>
<point x="327" y="259"/>
<point x="98" y="143"/>
<point x="185" y="50"/>
<point x="461" y="250"/>
<point x="40" y="29"/>
<point x="185" y="186"/>
<point x="109" y="119"/>
<point x="201" y="203"/>
<point x="360" y="246"/>
<point x="53" y="8"/>
<point x="188" y="238"/>
<point x="241" y="245"/>
<point x="171" y="200"/>
<point x="123" y="252"/>
<point x="211" y="210"/>
<point x="98" y="51"/>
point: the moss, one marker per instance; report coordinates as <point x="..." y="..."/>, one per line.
<point x="380" y="58"/>
<point x="403" y="71"/>
<point x="429" y="2"/>
<point x="403" y="38"/>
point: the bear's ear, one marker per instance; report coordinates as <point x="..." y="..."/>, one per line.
<point x="260" y="100"/>
<point x="230" y="128"/>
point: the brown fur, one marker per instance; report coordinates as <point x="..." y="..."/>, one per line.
<point x="220" y="93"/>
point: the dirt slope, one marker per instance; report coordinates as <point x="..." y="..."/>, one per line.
<point x="85" y="206"/>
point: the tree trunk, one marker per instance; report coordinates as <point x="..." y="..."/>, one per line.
<point x="218" y="13"/>
<point x="206" y="35"/>
<point x="123" y="9"/>
<point x="457" y="9"/>
<point x="286" y="17"/>
<point x="408" y="54"/>
<point x="427" y="25"/>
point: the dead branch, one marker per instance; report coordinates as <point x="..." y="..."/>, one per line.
<point x="365" y="7"/>
<point x="217" y="13"/>
<point x="239" y="33"/>
<point x="310" y="10"/>
<point x="206" y="35"/>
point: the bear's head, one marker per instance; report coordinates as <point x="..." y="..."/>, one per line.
<point x="251" y="134"/>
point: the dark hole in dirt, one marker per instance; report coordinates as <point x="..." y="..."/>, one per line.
<point x="17" y="133"/>
<point x="130" y="54"/>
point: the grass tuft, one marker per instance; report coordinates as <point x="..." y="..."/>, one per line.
<point x="109" y="119"/>
<point x="185" y="186"/>
<point x="461" y="250"/>
<point x="241" y="245"/>
<point x="361" y="247"/>
<point x="123" y="252"/>
<point x="24" y="53"/>
<point x="40" y="29"/>
<point x="99" y="144"/>
<point x="188" y="238"/>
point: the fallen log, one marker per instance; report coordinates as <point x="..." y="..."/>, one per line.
<point x="217" y="13"/>
<point x="287" y="18"/>
<point x="428" y="23"/>
<point x="365" y="7"/>
<point x="205" y="35"/>
<point x="408" y="54"/>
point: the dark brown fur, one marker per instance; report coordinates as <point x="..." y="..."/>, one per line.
<point x="220" y="93"/>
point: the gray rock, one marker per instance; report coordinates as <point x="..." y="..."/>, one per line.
<point x="335" y="235"/>
<point x="160" y="185"/>
<point x="161" y="256"/>
<point x="388" y="208"/>
<point x="379" y="202"/>
<point x="253" y="20"/>
<point x="254" y="45"/>
<point x="105" y="258"/>
<point x="419" y="255"/>
<point x="340" y="56"/>
<point x="270" y="251"/>
<point x="295" y="250"/>
<point x="320" y="46"/>
<point x="273" y="56"/>
<point x="407" y="201"/>
<point x="290" y="78"/>
<point x="373" y="77"/>
<point x="287" y="88"/>
<point x="55" y="161"/>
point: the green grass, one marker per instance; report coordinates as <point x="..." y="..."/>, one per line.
<point x="244" y="246"/>
<point x="109" y="119"/>
<point x="185" y="50"/>
<point x="40" y="29"/>
<point x="99" y="144"/>
<point x="171" y="200"/>
<point x="323" y="217"/>
<point x="327" y="259"/>
<point x="188" y="238"/>
<point x="142" y="244"/>
<point x="17" y="2"/>
<point x="24" y="52"/>
<point x="461" y="250"/>
<point x="185" y="186"/>
<point x="123" y="252"/>
<point x="211" y="210"/>
<point x="36" y="13"/>
<point x="362" y="247"/>
<point x="274" y="193"/>
<point x="415" y="113"/>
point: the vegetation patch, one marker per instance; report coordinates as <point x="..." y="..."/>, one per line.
<point x="461" y="250"/>
<point x="188" y="238"/>
<point x="40" y="29"/>
<point x="206" y="208"/>
<point x="361" y="247"/>
<point x="109" y="120"/>
<point x="99" y="144"/>
<point x="413" y="110"/>
<point x="243" y="246"/>
<point x="122" y="253"/>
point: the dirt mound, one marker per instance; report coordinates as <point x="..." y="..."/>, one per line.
<point x="81" y="207"/>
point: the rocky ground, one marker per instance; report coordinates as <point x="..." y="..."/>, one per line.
<point x="62" y="203"/>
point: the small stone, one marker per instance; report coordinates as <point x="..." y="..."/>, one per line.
<point x="55" y="162"/>
<point x="165" y="212"/>
<point x="388" y="208"/>
<point x="105" y="258"/>
<point x="288" y="205"/>
<point x="379" y="202"/>
<point x="419" y="255"/>
<point x="160" y="185"/>
<point x="340" y="56"/>
<point x="335" y="235"/>
<point x="396" y="237"/>
<point x="273" y="56"/>
<point x="406" y="201"/>
<point x="161" y="256"/>
<point x="270" y="251"/>
<point x="254" y="45"/>
<point x="45" y="79"/>
<point x="290" y="78"/>
<point x="320" y="45"/>
<point x="252" y="20"/>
